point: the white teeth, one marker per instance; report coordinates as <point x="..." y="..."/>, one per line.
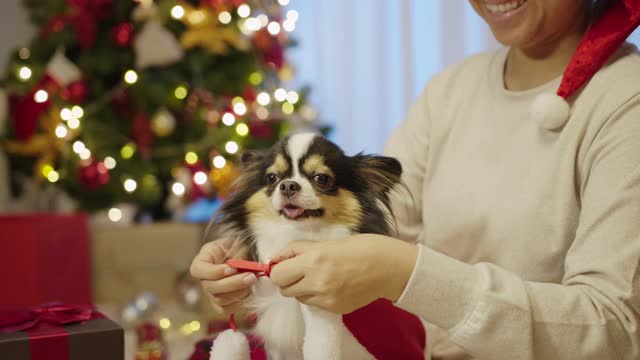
<point x="504" y="7"/>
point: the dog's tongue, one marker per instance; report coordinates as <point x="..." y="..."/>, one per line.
<point x="293" y="211"/>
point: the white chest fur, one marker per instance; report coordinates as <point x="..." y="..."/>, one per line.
<point x="292" y="330"/>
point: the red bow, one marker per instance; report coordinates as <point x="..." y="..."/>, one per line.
<point x="83" y="15"/>
<point x="53" y="314"/>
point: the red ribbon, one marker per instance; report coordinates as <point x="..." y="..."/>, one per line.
<point x="25" y="111"/>
<point x="47" y="337"/>
<point x="260" y="269"/>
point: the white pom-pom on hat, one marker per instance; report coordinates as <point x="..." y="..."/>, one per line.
<point x="230" y="345"/>
<point x="550" y="111"/>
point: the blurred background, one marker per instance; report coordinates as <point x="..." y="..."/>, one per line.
<point x="121" y="121"/>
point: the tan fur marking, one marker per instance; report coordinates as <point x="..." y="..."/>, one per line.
<point x="343" y="209"/>
<point x="314" y="164"/>
<point x="259" y="207"/>
<point x="279" y="166"/>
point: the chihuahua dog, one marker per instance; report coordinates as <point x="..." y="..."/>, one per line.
<point x="305" y="188"/>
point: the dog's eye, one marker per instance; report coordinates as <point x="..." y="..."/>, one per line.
<point x="322" y="179"/>
<point x="272" y="178"/>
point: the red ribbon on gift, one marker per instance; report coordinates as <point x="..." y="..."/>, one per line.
<point x="44" y="324"/>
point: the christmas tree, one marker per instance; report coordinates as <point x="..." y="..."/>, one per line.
<point x="149" y="102"/>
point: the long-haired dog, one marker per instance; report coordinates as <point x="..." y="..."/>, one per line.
<point x="303" y="188"/>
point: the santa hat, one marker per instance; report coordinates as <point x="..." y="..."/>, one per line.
<point x="600" y="41"/>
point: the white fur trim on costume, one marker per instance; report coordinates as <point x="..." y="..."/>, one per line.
<point x="230" y="345"/>
<point x="550" y="111"/>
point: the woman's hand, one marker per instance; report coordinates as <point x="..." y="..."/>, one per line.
<point x="222" y="284"/>
<point x="344" y="275"/>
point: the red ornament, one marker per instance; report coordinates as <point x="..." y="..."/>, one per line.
<point x="93" y="175"/>
<point x="260" y="130"/>
<point x="122" y="34"/>
<point x="84" y="16"/>
<point x="270" y="47"/>
<point x="76" y="92"/>
<point x="142" y="133"/>
<point x="249" y="94"/>
<point x="25" y="110"/>
<point x="122" y="102"/>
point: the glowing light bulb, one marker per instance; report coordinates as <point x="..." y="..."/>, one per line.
<point x="280" y="94"/>
<point x="66" y="114"/>
<point x="228" y="119"/>
<point x="53" y="176"/>
<point x="77" y="111"/>
<point x="61" y="131"/>
<point x="244" y="10"/>
<point x="130" y="185"/>
<point x="288" y="25"/>
<point x="191" y="158"/>
<point x="24" y="73"/>
<point x="85" y="154"/>
<point x="287" y="108"/>
<point x="242" y="129"/>
<point x="164" y="323"/>
<point x="283" y="2"/>
<point x="178" y="189"/>
<point x="263" y="98"/>
<point x="114" y="214"/>
<point x="130" y="77"/>
<point x="41" y="96"/>
<point x="292" y="15"/>
<point x="231" y="147"/>
<point x="197" y="17"/>
<point x="255" y="78"/>
<point x="127" y="151"/>
<point x="177" y="12"/>
<point x="195" y="325"/>
<point x="24" y="53"/>
<point x="292" y="97"/>
<point x="224" y="17"/>
<point x="200" y="178"/>
<point x="262" y="113"/>
<point x="180" y="92"/>
<point x="264" y="19"/>
<point x="46" y="169"/>
<point x="78" y="146"/>
<point x="219" y="161"/>
<point x="73" y="123"/>
<point x="110" y="163"/>
<point x="273" y="28"/>
<point x="240" y="109"/>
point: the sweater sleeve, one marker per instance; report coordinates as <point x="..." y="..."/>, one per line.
<point x="409" y="144"/>
<point x="594" y="313"/>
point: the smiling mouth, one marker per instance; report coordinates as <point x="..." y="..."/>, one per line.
<point x="505" y="7"/>
<point x="293" y="212"/>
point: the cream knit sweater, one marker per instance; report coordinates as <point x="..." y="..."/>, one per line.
<point x="531" y="237"/>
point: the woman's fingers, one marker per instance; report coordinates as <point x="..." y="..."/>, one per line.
<point x="297" y="289"/>
<point x="225" y="299"/>
<point x="287" y="272"/>
<point x="294" y="249"/>
<point x="229" y="284"/>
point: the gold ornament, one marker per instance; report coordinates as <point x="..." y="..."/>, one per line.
<point x="204" y="30"/>
<point x="163" y="123"/>
<point x="223" y="178"/>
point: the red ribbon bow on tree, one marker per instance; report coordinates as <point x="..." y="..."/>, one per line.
<point x="53" y="313"/>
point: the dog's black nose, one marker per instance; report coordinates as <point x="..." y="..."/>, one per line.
<point x="288" y="188"/>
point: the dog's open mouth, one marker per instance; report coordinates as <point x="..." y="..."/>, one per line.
<point x="293" y="212"/>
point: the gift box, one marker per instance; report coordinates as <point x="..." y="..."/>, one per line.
<point x="60" y="332"/>
<point x="44" y="258"/>
<point x="142" y="258"/>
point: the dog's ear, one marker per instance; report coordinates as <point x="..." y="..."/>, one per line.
<point x="251" y="157"/>
<point x="379" y="173"/>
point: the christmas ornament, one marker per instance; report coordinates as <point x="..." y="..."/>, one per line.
<point x="122" y="34"/>
<point x="149" y="191"/>
<point x="150" y="343"/>
<point x="156" y="46"/>
<point x="204" y="30"/>
<point x="76" y="92"/>
<point x="271" y="48"/>
<point x="187" y="290"/>
<point x="62" y="70"/>
<point x="260" y="130"/>
<point x="223" y="179"/>
<point x="142" y="133"/>
<point x="84" y="16"/>
<point x="93" y="175"/>
<point x="145" y="10"/>
<point x="163" y="123"/>
<point x="598" y="43"/>
<point x="122" y="102"/>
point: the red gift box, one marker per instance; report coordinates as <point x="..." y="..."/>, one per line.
<point x="44" y="258"/>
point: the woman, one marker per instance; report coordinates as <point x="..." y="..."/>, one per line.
<point x="531" y="233"/>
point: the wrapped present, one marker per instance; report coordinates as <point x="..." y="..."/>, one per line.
<point x="134" y="259"/>
<point x="59" y="331"/>
<point x="44" y="258"/>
